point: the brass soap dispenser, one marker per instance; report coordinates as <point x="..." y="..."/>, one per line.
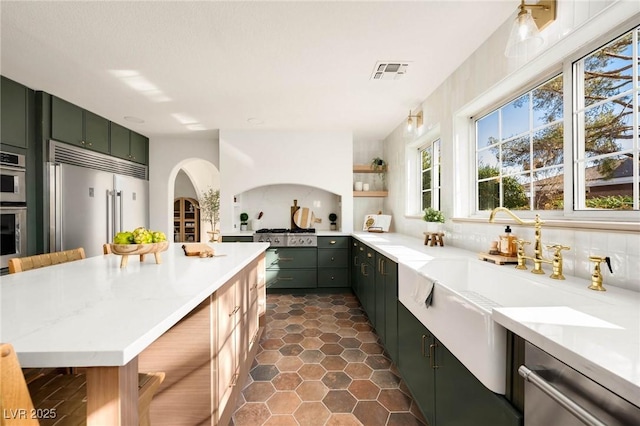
<point x="596" y="276"/>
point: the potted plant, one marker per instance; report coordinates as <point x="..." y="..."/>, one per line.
<point x="333" y="217"/>
<point x="379" y="166"/>
<point x="434" y="219"/>
<point x="243" y="221"/>
<point x="210" y="210"/>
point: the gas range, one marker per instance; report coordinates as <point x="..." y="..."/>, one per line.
<point x="282" y="237"/>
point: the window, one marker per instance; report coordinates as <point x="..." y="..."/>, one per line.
<point x="430" y="175"/>
<point x="606" y="117"/>
<point x="520" y="152"/>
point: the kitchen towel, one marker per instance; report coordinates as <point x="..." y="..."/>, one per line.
<point x="423" y="291"/>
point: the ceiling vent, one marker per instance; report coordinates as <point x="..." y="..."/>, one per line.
<point x="389" y="70"/>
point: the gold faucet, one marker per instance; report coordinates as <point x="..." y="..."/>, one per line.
<point x="538" y="260"/>
<point x="596" y="276"/>
<point x="557" y="261"/>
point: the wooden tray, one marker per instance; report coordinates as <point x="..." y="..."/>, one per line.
<point x="125" y="250"/>
<point x="498" y="259"/>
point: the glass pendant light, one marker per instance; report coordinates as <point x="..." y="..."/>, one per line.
<point x="525" y="37"/>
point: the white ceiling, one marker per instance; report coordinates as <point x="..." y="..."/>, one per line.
<point x="191" y="68"/>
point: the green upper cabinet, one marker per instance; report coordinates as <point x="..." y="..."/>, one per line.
<point x="128" y="145"/>
<point x="14" y="130"/>
<point x="72" y="124"/>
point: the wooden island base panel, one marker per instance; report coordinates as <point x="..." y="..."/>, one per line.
<point x="207" y="355"/>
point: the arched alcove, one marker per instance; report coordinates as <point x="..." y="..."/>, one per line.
<point x="202" y="175"/>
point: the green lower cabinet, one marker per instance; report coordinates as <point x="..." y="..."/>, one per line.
<point x="236" y="239"/>
<point x="333" y="262"/>
<point x="414" y="341"/>
<point x="289" y="267"/>
<point x="446" y="392"/>
<point x="390" y="272"/>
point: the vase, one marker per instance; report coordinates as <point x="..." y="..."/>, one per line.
<point x="434" y="227"/>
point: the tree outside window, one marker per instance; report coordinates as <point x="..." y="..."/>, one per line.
<point x="430" y="175"/>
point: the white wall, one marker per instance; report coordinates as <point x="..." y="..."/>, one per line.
<point x="251" y="159"/>
<point x="485" y="78"/>
<point x="183" y="186"/>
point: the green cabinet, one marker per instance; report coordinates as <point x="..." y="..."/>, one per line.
<point x="14" y="106"/>
<point x="333" y="262"/>
<point x="74" y="125"/>
<point x="289" y="267"/>
<point x="414" y="362"/>
<point x="365" y="286"/>
<point x="386" y="289"/>
<point x="446" y="392"/>
<point x="128" y="145"/>
<point x="236" y="239"/>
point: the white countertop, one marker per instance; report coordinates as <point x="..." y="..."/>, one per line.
<point x="93" y="313"/>
<point x="596" y="333"/>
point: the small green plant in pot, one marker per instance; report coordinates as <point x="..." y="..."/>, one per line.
<point x="379" y="166"/>
<point x="333" y="217"/>
<point x="434" y="219"/>
<point x="243" y="221"/>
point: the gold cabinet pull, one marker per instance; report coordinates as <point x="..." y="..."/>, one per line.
<point x="364" y="269"/>
<point x="332" y="242"/>
<point x="432" y="349"/>
<point x="422" y="346"/>
<point x="369" y="255"/>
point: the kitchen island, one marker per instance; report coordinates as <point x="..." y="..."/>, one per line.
<point x="92" y="313"/>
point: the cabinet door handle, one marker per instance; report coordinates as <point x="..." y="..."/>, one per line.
<point x="432" y="355"/>
<point x="332" y="242"/>
<point x="369" y="255"/>
<point x="361" y="248"/>
<point x="253" y="287"/>
<point x="235" y="310"/>
<point x="423" y="346"/>
<point x="355" y="258"/>
<point x="383" y="271"/>
<point x="364" y="270"/>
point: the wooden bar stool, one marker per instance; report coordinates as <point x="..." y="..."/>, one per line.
<point x="61" y="397"/>
<point x="27" y="263"/>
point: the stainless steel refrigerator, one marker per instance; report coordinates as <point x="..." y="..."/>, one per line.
<point x="89" y="206"/>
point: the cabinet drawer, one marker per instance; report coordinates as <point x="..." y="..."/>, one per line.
<point x="292" y="278"/>
<point x="333" y="277"/>
<point x="366" y="254"/>
<point x="333" y="258"/>
<point x="334" y="242"/>
<point x="291" y="258"/>
<point x="236" y="239"/>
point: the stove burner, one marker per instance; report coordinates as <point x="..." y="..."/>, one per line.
<point x="281" y="237"/>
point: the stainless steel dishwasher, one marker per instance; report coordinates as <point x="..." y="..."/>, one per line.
<point x="556" y="394"/>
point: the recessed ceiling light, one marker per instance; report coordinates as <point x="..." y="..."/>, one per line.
<point x="255" y="121"/>
<point x="134" y="119"/>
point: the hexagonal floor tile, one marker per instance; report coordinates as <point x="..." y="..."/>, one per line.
<point x="286" y="381"/>
<point x="251" y="414"/>
<point x="292" y="349"/>
<point x="289" y="363"/>
<point x="312" y="371"/>
<point x="364" y="389"/>
<point x="311" y="414"/>
<point x="312" y="390"/>
<point x="394" y="400"/>
<point x="330" y="337"/>
<point x="336" y="380"/>
<point x="339" y="401"/>
<point x="371" y="413"/>
<point x="311" y="356"/>
<point x="358" y="370"/>
<point x="333" y="363"/>
<point x="258" y="391"/>
<point x="283" y="402"/>
<point x="332" y="349"/>
<point x="264" y="372"/>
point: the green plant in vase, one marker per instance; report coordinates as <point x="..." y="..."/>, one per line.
<point x="379" y="166"/>
<point x="244" y="217"/>
<point x="210" y="210"/>
<point x="434" y="219"/>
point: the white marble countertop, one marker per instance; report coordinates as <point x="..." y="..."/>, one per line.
<point x="93" y="313"/>
<point x="597" y="333"/>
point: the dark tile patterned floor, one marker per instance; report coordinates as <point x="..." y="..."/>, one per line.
<point x="320" y="363"/>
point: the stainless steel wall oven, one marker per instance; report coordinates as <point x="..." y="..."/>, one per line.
<point x="13" y="207"/>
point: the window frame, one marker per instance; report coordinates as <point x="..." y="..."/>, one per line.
<point x="565" y="67"/>
<point x="436" y="164"/>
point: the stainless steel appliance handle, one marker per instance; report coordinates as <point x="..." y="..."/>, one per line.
<point x="548" y="389"/>
<point x="110" y="234"/>
<point x="55" y="207"/>
<point x="121" y="195"/>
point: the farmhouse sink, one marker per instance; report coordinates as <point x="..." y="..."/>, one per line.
<point x="465" y="292"/>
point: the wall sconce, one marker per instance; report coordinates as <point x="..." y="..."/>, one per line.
<point x="525" y="32"/>
<point x="412" y="126"/>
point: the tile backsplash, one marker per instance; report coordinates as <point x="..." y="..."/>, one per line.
<point x="623" y="248"/>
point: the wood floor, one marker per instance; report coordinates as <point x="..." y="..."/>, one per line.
<point x="320" y="363"/>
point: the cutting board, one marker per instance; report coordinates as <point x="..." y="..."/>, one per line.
<point x="305" y="218"/>
<point x="198" y="249"/>
<point x="376" y="223"/>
